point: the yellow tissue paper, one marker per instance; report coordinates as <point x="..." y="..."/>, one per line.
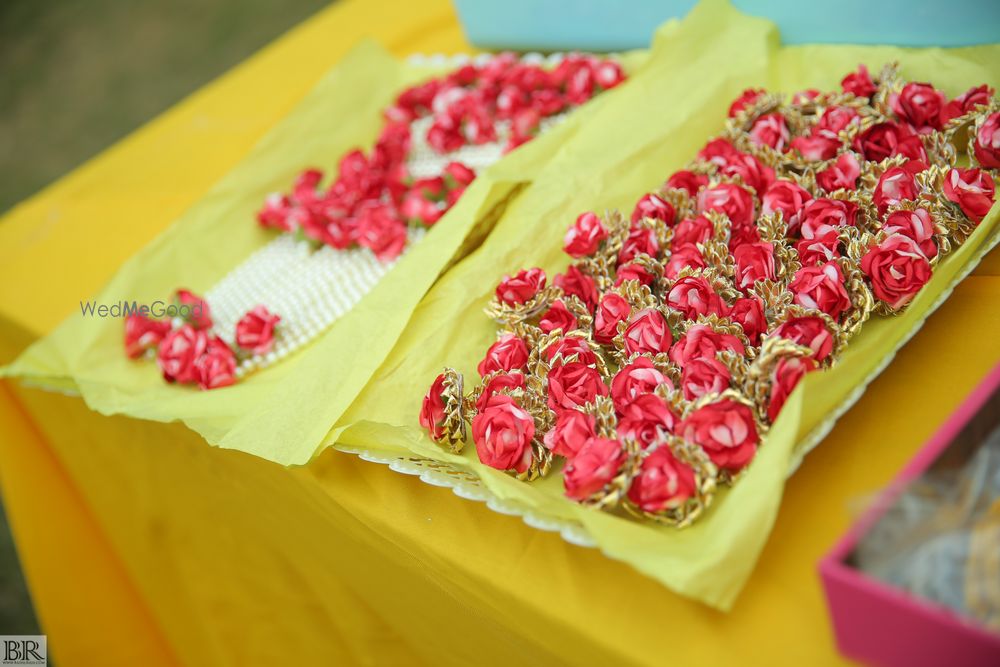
<point x="653" y="126"/>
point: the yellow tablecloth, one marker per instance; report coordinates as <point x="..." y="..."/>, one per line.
<point x="142" y="545"/>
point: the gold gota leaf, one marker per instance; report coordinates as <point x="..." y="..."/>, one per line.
<point x="454" y="426"/>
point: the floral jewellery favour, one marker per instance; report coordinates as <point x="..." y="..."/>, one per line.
<point x="338" y="240"/>
<point x="654" y="366"/>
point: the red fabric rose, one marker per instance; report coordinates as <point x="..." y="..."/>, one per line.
<point x="569" y="349"/>
<point x="507" y="354"/>
<point x="636" y="379"/>
<point x="652" y="206"/>
<point x="574" y="384"/>
<point x="818" y="249"/>
<point x="859" y="83"/>
<point x="842" y="174"/>
<point x="143" y="333"/>
<point x="748" y="312"/>
<point x="787" y="374"/>
<point x="640" y="240"/>
<point x="694" y="296"/>
<point x="966" y="102"/>
<point x="194" y="309"/>
<point x="381" y="231"/>
<point x="704" y="376"/>
<point x="459" y="173"/>
<point x="920" y="105"/>
<point x="770" y="130"/>
<point x="521" y="287"/>
<point x="683" y="256"/>
<point x="987" y="145"/>
<point x="693" y="230"/>
<point x="822" y="216"/>
<point x="700" y="341"/>
<point x="748" y="168"/>
<point x="897" y="270"/>
<point x="917" y="225"/>
<point x="571" y="431"/>
<point x="216" y="367"/>
<point x="593" y="468"/>
<point x="687" y="180"/>
<point x="835" y="120"/>
<point x="787" y="197"/>
<point x="575" y="282"/>
<point x="747" y="98"/>
<point x="972" y="190"/>
<point x="557" y="317"/>
<point x="889" y="139"/>
<point x="645" y="419"/>
<point x="585" y="236"/>
<point x="178" y="351"/>
<point x="663" y="483"/>
<point x="731" y="199"/>
<point x="432" y="409"/>
<point x="647" y="332"/>
<point x="725" y="430"/>
<point x="718" y="151"/>
<point x="821" y="288"/>
<point x="809" y="331"/>
<point x="496" y="384"/>
<point x="897" y="184"/>
<point x="612" y="309"/>
<point x="815" y="147"/>
<point x="255" y="330"/>
<point x="503" y="432"/>
<point x="754" y="261"/>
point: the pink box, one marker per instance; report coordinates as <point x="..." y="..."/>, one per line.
<point x="878" y="624"/>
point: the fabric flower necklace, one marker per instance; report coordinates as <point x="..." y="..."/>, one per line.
<point x="338" y="241"/>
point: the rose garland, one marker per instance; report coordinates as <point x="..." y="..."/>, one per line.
<point x="374" y="198"/>
<point x="656" y="363"/>
<point x="187" y="349"/>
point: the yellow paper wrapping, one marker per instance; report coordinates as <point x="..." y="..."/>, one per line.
<point x="654" y="126"/>
<point x="284" y="412"/>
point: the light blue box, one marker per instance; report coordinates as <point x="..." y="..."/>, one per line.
<point x="614" y="25"/>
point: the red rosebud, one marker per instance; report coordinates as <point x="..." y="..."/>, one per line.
<point x="645" y="420"/>
<point x="687" y="180"/>
<point x="557" y="317"/>
<point x="255" y="330"/>
<point x="652" y="206"/>
<point x="972" y="190"/>
<point x="585" y="236"/>
<point x="647" y="332"/>
<point x="821" y="288"/>
<point x="571" y="432"/>
<point x="612" y="309"/>
<point x="507" y="354"/>
<point x="726" y="430"/>
<point x="920" y="105"/>
<point x="522" y="287"/>
<point x="573" y="385"/>
<point x="636" y="379"/>
<point x="143" y="333"/>
<point x="597" y="463"/>
<point x="841" y="175"/>
<point x="859" y="83"/>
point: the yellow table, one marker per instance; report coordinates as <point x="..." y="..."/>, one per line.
<point x="142" y="545"/>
